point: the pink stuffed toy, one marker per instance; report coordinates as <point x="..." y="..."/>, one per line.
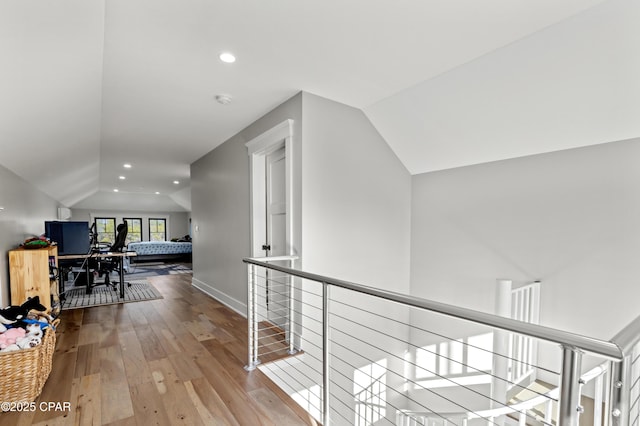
<point x="10" y="336"/>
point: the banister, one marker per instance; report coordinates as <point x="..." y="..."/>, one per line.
<point x="603" y="348"/>
<point x="275" y="258"/>
<point x="628" y="337"/>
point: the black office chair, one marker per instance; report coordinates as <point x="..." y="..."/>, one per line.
<point x="112" y="264"/>
<point x="121" y="237"/>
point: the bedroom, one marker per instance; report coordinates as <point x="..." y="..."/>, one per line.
<point x="141" y="224"/>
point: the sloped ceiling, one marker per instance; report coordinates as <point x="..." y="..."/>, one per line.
<point x="87" y="86"/>
<point x="572" y="84"/>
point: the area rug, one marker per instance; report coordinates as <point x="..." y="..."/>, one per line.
<point x="143" y="270"/>
<point x="139" y="291"/>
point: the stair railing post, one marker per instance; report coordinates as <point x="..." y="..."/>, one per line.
<point x="292" y="349"/>
<point x="325" y="355"/>
<point x="252" y="325"/>
<point x="620" y="392"/>
<point x="570" y="409"/>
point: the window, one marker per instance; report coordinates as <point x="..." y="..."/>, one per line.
<point x="370" y="390"/>
<point x="464" y="361"/>
<point x="157" y="230"/>
<point x="134" y="233"/>
<point x="105" y="230"/>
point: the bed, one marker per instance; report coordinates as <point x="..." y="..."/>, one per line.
<point x="151" y="251"/>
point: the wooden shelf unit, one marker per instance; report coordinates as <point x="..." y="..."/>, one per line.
<point x="29" y="274"/>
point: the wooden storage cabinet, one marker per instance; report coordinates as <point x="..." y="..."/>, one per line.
<point x="29" y="274"/>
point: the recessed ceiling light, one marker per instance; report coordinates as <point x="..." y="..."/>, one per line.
<point x="126" y="166"/>
<point x="176" y="182"/>
<point x="121" y="177"/>
<point x="115" y="189"/>
<point x="1" y="208"/>
<point x="227" y="57"/>
<point x="157" y="192"/>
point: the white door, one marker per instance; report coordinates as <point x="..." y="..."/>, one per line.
<point x="277" y="291"/>
<point x="276" y="238"/>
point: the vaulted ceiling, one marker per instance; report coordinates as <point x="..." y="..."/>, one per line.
<point x="89" y="85"/>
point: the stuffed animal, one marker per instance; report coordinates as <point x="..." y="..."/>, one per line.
<point x="11" y="336"/>
<point x="23" y="338"/>
<point x="10" y="348"/>
<point x="13" y="314"/>
<point x="32" y="338"/>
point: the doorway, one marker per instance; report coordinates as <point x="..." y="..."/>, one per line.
<point x="271" y="221"/>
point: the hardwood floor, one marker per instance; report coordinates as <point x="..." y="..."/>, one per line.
<point x="176" y="360"/>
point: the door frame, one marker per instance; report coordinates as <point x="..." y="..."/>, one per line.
<point x="257" y="149"/>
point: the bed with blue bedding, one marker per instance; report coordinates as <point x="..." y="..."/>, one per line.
<point x="160" y="250"/>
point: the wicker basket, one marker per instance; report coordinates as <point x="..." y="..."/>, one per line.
<point x="23" y="373"/>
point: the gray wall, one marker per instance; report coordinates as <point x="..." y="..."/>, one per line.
<point x="569" y="219"/>
<point x="25" y="210"/>
<point x="353" y="221"/>
<point x="220" y="209"/>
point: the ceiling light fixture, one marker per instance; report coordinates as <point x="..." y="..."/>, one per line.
<point x="121" y="177"/>
<point x="223" y="99"/>
<point x="115" y="189"/>
<point x="126" y="166"/>
<point x="227" y="57"/>
<point x="176" y="182"/>
<point x="157" y="192"/>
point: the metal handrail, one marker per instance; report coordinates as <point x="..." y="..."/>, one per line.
<point x="628" y="337"/>
<point x="603" y="348"/>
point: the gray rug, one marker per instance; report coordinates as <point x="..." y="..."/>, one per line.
<point x="141" y="270"/>
<point x="139" y="291"/>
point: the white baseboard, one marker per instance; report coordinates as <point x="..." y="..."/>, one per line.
<point x="221" y="297"/>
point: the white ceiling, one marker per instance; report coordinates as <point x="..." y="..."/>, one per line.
<point x="88" y="85"/>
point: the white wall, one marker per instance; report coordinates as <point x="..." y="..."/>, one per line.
<point x="569" y="219"/>
<point x="356" y="199"/>
<point x="25" y="211"/>
<point x="571" y="84"/>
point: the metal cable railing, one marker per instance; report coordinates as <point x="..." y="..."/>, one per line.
<point x="357" y="355"/>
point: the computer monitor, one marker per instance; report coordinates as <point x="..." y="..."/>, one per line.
<point x="71" y="237"/>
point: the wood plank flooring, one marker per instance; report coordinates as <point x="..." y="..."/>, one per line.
<point x="173" y="361"/>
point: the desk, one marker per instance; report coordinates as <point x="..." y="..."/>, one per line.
<point x="100" y="255"/>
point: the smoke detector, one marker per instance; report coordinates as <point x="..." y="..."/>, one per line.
<point x="223" y="99"/>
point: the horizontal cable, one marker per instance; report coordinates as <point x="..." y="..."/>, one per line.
<point x="302" y="302"/>
<point x="297" y="289"/>
<point x="351" y="409"/>
<point x="378" y="315"/>
<point x="436" y="374"/>
<point x="391" y="389"/>
<point x="426" y="350"/>
<point x="318" y="321"/>
<point x="588" y="344"/>
<point x="306" y="352"/>
<point x="394" y="390"/>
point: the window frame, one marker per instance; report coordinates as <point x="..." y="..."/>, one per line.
<point x="130" y="221"/>
<point x="164" y="232"/>
<point x="106" y="232"/>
